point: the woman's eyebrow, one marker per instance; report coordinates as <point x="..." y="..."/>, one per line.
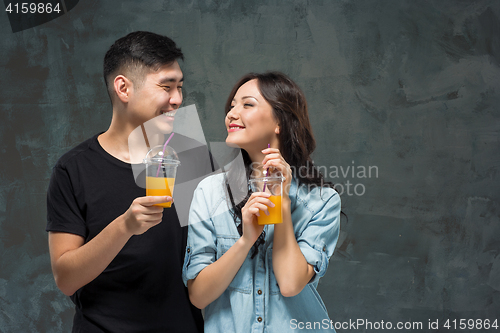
<point x="249" y="97"/>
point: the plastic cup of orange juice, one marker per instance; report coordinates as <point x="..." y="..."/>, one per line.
<point x="161" y="168"/>
<point x="274" y="186"/>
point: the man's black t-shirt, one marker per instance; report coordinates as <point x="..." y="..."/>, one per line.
<point x="141" y="290"/>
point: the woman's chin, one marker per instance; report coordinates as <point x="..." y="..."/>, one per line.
<point x="232" y="144"/>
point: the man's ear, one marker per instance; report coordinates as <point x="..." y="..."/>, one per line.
<point x="123" y="88"/>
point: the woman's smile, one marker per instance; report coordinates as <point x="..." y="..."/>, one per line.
<point x="235" y="127"/>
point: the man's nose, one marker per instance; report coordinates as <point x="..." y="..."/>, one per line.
<point x="176" y="97"/>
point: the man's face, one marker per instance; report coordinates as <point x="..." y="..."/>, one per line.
<point x="159" y="96"/>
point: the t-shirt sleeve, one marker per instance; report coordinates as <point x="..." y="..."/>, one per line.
<point x="317" y="241"/>
<point x="201" y="246"/>
<point x="63" y="211"/>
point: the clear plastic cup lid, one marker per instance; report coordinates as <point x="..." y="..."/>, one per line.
<point x="159" y="154"/>
<point x="272" y="178"/>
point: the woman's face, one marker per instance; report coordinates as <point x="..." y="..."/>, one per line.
<point x="250" y="123"/>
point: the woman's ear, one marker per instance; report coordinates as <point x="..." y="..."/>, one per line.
<point x="277" y="129"/>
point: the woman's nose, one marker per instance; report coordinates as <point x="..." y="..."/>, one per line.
<point x="232" y="113"/>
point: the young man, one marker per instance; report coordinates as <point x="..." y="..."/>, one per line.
<point x="118" y="256"/>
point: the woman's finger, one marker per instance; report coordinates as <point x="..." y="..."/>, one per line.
<point x="283" y="167"/>
<point x="274" y="156"/>
<point x="254" y="211"/>
<point x="259" y="200"/>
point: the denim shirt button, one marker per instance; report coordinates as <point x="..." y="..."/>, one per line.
<point x="324" y="248"/>
<point x="259" y="292"/>
<point x="259" y="319"/>
<point x="188" y="250"/>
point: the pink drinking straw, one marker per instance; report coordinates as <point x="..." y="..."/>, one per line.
<point x="267" y="171"/>
<point x="164" y="146"/>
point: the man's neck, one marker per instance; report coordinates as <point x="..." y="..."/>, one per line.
<point x="127" y="142"/>
<point x="115" y="143"/>
<point x="115" y="140"/>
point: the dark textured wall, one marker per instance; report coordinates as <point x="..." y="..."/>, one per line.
<point x="408" y="88"/>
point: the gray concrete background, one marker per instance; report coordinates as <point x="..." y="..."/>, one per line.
<point x="409" y="87"/>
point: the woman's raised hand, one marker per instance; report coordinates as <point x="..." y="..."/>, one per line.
<point x="257" y="204"/>
<point x="275" y="161"/>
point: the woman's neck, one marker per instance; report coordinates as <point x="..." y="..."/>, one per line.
<point x="256" y="157"/>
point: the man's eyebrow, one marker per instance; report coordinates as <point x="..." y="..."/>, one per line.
<point x="170" y="80"/>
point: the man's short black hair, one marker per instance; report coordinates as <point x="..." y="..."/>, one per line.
<point x="137" y="53"/>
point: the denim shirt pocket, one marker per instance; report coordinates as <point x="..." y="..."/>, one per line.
<point x="274" y="288"/>
<point x="243" y="280"/>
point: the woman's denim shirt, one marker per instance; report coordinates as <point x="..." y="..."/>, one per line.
<point x="253" y="302"/>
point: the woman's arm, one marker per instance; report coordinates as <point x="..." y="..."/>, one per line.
<point x="291" y="269"/>
<point x="214" y="279"/>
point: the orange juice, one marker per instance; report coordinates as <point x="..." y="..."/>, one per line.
<point x="274" y="216"/>
<point x="158" y="186"/>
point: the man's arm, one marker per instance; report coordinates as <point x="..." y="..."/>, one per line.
<point x="75" y="263"/>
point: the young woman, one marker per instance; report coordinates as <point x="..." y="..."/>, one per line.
<point x="254" y="278"/>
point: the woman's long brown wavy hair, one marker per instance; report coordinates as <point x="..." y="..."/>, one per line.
<point x="296" y="140"/>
